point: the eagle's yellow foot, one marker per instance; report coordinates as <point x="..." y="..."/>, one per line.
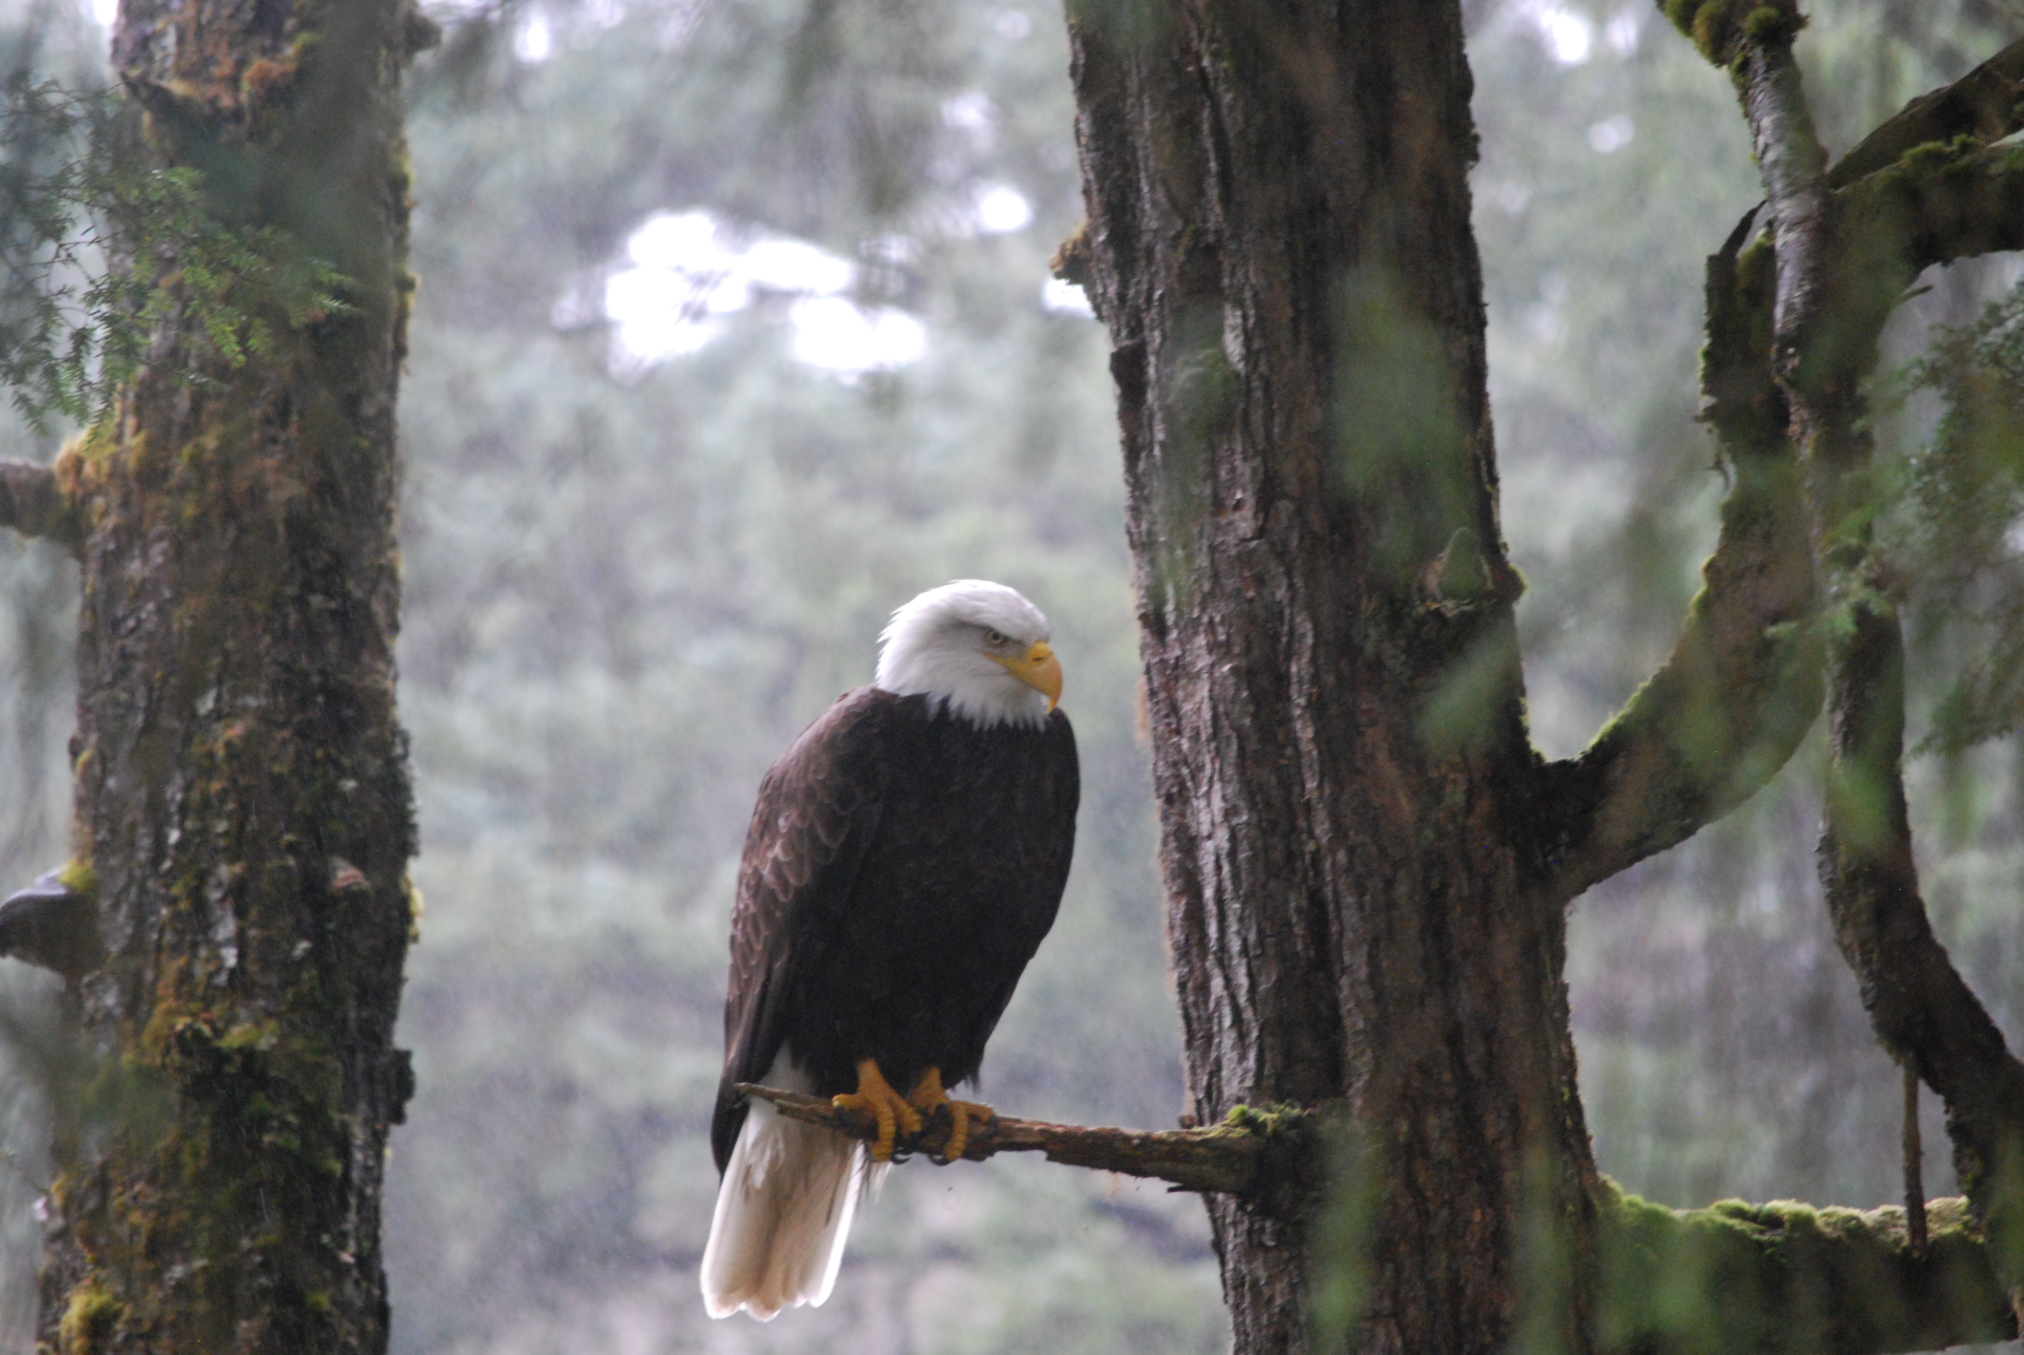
<point x="928" y="1097"/>
<point x="888" y="1107"/>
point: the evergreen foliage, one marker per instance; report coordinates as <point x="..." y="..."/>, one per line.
<point x="88" y="227"/>
<point x="1956" y="524"/>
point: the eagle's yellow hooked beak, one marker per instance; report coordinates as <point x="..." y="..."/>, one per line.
<point x="1039" y="669"/>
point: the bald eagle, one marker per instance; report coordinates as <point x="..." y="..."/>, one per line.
<point x="906" y="856"/>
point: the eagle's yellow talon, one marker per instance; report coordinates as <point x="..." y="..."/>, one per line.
<point x="892" y="1111"/>
<point x="928" y="1096"/>
<point x="959" y="1130"/>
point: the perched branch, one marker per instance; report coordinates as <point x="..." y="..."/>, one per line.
<point x="32" y="502"/>
<point x="1742" y="685"/>
<point x="1983" y="104"/>
<point x="1245" y="1154"/>
<point x="1788" y="1277"/>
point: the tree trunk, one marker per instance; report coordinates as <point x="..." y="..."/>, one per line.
<point x="1359" y="900"/>
<point x="243" y="818"/>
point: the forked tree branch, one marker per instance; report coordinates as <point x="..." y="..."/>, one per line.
<point x="1842" y="261"/>
<point x="1743" y="684"/>
<point x="1918" y="1004"/>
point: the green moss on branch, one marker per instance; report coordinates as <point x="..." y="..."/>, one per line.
<point x="33" y="503"/>
<point x="1983" y="104"/>
<point x="1722" y="29"/>
<point x="1742" y="685"/>
<point x="1786" y="1276"/>
<point x="1939" y="202"/>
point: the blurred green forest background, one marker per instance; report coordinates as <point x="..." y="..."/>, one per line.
<point x="735" y="331"/>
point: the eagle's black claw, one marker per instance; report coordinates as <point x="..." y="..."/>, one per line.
<point x="51" y="925"/>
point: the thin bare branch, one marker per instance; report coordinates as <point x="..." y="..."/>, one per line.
<point x="1914" y="1166"/>
<point x="1239" y="1156"/>
<point x="1793" y="166"/>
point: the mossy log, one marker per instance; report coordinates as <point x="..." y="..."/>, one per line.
<point x="1765" y="1279"/>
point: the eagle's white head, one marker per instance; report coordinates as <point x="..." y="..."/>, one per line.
<point x="978" y="648"/>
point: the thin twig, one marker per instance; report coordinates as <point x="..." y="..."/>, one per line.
<point x="1915" y="1166"/>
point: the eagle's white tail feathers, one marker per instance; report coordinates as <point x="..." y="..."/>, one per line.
<point x="783" y="1210"/>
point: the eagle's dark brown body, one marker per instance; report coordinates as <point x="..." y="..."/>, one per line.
<point x="900" y="870"/>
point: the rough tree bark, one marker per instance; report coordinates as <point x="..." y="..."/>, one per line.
<point x="1279" y="241"/>
<point x="243" y="819"/>
<point x="1367" y="863"/>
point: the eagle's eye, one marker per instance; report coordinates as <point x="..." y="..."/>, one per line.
<point x="994" y="637"/>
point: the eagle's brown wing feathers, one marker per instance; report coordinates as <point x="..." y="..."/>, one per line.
<point x="818" y="809"/>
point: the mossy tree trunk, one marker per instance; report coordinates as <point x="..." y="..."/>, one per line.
<point x="243" y="819"/>
<point x="1368" y="865"/>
